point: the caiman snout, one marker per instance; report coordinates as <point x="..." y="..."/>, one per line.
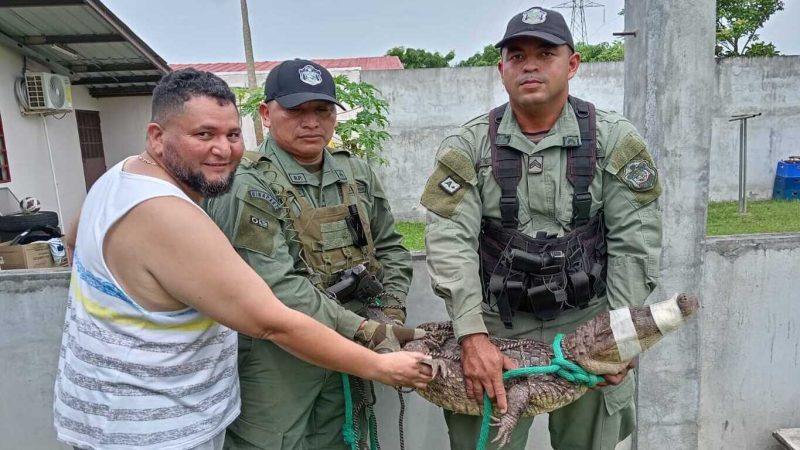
<point x="606" y="343"/>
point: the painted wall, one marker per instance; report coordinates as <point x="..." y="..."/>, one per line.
<point x="31" y="139"/>
<point x="427" y="104"/>
<point x="123" y="121"/>
<point x="769" y="86"/>
<point x="748" y="334"/>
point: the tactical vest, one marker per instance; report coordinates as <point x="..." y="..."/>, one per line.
<point x="332" y="239"/>
<point x="543" y="275"/>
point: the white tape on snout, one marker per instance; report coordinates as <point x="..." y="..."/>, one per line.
<point x="625" y="334"/>
<point x="667" y="314"/>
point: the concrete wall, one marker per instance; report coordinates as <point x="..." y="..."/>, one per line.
<point x="769" y="86"/>
<point x="427" y="104"/>
<point x="748" y="340"/>
<point x="33" y="304"/>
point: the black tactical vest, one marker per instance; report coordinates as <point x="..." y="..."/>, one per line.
<point x="543" y="275"/>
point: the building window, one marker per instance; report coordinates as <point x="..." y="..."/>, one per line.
<point x="5" y="170"/>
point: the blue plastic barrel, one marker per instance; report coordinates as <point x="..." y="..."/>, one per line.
<point x="787" y="179"/>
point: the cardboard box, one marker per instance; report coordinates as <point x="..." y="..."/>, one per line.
<point x="35" y="255"/>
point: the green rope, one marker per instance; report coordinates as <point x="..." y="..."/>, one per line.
<point x="559" y="365"/>
<point x="348" y="432"/>
<point x="351" y="437"/>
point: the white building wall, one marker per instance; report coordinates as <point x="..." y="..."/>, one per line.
<point x="123" y="121"/>
<point x="28" y="150"/>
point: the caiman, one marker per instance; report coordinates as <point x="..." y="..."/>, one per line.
<point x="603" y="345"/>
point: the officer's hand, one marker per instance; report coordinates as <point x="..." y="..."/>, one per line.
<point x="617" y="378"/>
<point x="483" y="366"/>
<point x="385" y="338"/>
<point x="396" y="315"/>
<point x="404" y="369"/>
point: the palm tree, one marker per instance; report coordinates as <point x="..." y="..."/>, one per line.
<point x="251" y="66"/>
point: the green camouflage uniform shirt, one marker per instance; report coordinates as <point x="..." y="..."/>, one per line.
<point x="253" y="216"/>
<point x="462" y="190"/>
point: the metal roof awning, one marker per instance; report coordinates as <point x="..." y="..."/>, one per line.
<point x="83" y="40"/>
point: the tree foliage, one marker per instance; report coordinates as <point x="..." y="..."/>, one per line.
<point x="362" y="134"/>
<point x="602" y="52"/>
<point x="737" y="24"/>
<point x="417" y="58"/>
<point x="490" y="56"/>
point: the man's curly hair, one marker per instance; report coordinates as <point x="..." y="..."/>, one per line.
<point x="178" y="87"/>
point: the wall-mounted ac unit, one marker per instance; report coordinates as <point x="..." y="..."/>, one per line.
<point x="47" y="92"/>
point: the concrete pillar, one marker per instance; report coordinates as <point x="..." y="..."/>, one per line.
<point x="669" y="92"/>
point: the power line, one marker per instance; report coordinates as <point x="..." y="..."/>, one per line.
<point x="578" y="17"/>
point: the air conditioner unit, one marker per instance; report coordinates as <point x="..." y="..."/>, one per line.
<point x="48" y="92"/>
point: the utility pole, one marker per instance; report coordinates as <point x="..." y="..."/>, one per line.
<point x="251" y="66"/>
<point x="578" y="17"/>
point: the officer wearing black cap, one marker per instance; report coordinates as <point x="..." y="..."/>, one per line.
<point x="542" y="214"/>
<point x="309" y="219"/>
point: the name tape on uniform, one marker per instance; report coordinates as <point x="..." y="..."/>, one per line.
<point x="266" y="196"/>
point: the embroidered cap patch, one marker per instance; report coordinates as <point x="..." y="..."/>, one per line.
<point x="310" y="75"/>
<point x="534" y="16"/>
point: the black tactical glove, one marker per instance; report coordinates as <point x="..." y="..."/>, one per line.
<point x="385" y="338"/>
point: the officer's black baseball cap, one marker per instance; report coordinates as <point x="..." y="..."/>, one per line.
<point x="545" y="24"/>
<point x="296" y="81"/>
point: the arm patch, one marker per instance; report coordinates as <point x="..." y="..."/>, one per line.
<point x="257" y="223"/>
<point x="632" y="164"/>
<point x="448" y="184"/>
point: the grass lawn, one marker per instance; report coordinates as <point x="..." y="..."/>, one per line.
<point x="769" y="216"/>
<point x="413" y="235"/>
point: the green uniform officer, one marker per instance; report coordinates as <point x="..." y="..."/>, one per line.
<point x="617" y="204"/>
<point x="301" y="216"/>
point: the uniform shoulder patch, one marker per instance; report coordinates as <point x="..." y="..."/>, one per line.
<point x="255" y="231"/>
<point x="260" y="198"/>
<point x="450" y="185"/>
<point x="629" y="147"/>
<point x="458" y="162"/>
<point x="639" y="175"/>
<point x="446" y="187"/>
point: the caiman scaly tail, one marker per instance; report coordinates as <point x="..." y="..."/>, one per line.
<point x="603" y="345"/>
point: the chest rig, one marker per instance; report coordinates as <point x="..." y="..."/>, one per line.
<point x="543" y="274"/>
<point x="336" y="246"/>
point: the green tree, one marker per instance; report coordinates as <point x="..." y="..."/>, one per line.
<point x="737" y="24"/>
<point x="490" y="56"/>
<point x="417" y="58"/>
<point x="602" y="52"/>
<point x="362" y="134"/>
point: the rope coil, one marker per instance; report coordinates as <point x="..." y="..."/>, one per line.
<point x="559" y="365"/>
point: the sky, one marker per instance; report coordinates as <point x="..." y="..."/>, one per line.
<point x="194" y="31"/>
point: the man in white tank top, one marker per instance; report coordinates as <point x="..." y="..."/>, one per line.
<point x="148" y="358"/>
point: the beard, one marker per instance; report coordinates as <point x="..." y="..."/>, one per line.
<point x="194" y="179"/>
